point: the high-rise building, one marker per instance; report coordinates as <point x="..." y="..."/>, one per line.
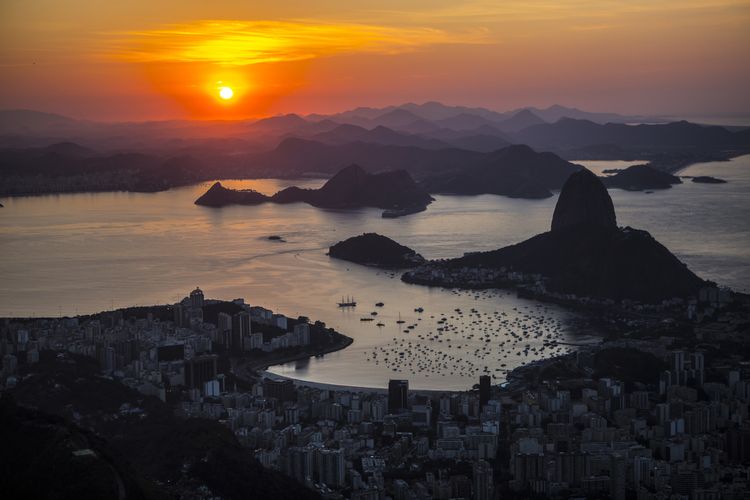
<point x="484" y="390"/>
<point x="618" y="477"/>
<point x="283" y="390"/>
<point x="398" y="395"/>
<point x="196" y="298"/>
<point x="241" y="328"/>
<point x="483" y="484"/>
<point x="200" y="370"/>
<point x="330" y="465"/>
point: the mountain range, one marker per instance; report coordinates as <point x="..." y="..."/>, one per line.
<point x="450" y="148"/>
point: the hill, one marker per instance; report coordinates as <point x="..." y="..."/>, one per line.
<point x="515" y="171"/>
<point x="640" y="177"/>
<point x="135" y="438"/>
<point x="586" y="254"/>
<point x="376" y="250"/>
<point x="351" y="187"/>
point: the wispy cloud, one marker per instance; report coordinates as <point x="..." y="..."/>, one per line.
<point x="241" y="43"/>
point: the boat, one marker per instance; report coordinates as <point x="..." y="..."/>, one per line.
<point x="349" y="302"/>
<point x="366" y="319"/>
<point x="381" y="324"/>
<point x="379" y="304"/>
<point x="419" y="309"/>
<point x="374" y="313"/>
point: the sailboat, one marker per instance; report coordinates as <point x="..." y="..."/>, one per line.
<point x="349" y="302"/>
<point x="400" y="321"/>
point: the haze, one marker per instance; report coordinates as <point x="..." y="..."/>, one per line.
<point x="141" y="61"/>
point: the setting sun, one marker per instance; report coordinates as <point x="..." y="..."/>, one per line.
<point x="226" y="93"/>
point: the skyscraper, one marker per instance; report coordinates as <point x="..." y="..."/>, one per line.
<point x="484" y="390"/>
<point x="240" y="329"/>
<point x="398" y="392"/>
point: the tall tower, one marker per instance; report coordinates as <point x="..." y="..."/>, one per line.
<point x="398" y="393"/>
<point x="484" y="390"/>
<point x="196" y="298"/>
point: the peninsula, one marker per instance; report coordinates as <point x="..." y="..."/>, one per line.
<point x="585" y="254"/>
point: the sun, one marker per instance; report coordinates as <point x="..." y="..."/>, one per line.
<point x="226" y="93"/>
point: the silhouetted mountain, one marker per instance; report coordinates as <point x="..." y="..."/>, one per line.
<point x="379" y="135"/>
<point x="584" y="202"/>
<point x="296" y="156"/>
<point x="519" y="121"/>
<point x="481" y="143"/>
<point x="568" y="134"/>
<point x="515" y="171"/>
<point x="586" y="254"/>
<point x="556" y="112"/>
<point x="374" y="249"/>
<point x="640" y="177"/>
<point x="464" y="121"/>
<point x="219" y="196"/>
<point x="396" y="118"/>
<point x="354" y="187"/>
<point x="433" y="110"/>
<point x="350" y="188"/>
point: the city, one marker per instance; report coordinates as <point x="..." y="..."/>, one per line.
<point x="647" y="418"/>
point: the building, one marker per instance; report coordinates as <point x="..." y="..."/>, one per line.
<point x="484" y="390"/>
<point x="241" y="328"/>
<point x="330" y="465"/>
<point x="398" y="395"/>
<point x="483" y="483"/>
<point x="283" y="390"/>
<point x="196" y="298"/>
<point x="200" y="370"/>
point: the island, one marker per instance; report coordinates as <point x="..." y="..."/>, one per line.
<point x="375" y="250"/>
<point x="584" y="256"/>
<point x="351" y="187"/>
<point x="707" y="179"/>
<point x="640" y="178"/>
<point x="219" y="196"/>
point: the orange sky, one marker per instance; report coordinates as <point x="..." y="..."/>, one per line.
<point x="141" y="60"/>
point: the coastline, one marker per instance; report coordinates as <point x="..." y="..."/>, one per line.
<point x="243" y="367"/>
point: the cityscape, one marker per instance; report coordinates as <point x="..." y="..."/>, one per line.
<point x="375" y="250"/>
<point x="669" y="422"/>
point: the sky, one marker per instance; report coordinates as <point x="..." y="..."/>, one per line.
<point x="169" y="59"/>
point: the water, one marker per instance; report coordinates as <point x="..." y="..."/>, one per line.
<point x="83" y="253"/>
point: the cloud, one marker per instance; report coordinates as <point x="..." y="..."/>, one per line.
<point x="241" y="43"/>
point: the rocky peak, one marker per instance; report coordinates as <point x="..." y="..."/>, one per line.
<point x="584" y="201"/>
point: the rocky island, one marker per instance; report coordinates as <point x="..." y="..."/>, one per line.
<point x="641" y="177"/>
<point x="702" y="179"/>
<point x="351" y="187"/>
<point x="375" y="250"/>
<point x="584" y="254"/>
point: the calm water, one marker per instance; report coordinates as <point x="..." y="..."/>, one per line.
<point x="82" y="253"/>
